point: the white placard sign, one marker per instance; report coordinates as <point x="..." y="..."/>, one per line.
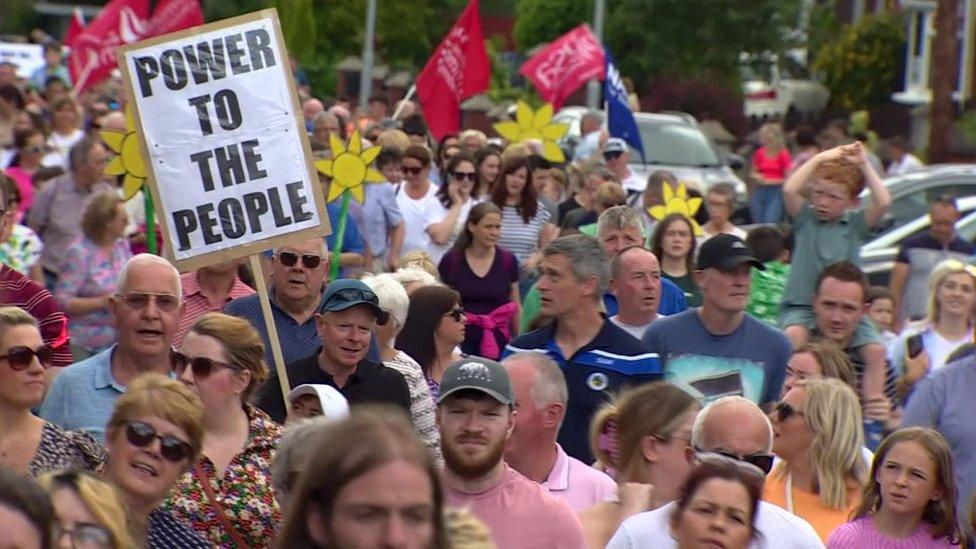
<point x="27" y="57"/>
<point x="224" y="139"/>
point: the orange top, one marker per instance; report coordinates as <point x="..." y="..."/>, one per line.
<point x="808" y="506"/>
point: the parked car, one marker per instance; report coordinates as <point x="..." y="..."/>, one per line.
<point x="911" y="194"/>
<point x="773" y="86"/>
<point x="878" y="255"/>
<point x="673" y="142"/>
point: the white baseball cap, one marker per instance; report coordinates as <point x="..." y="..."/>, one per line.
<point x="334" y="405"/>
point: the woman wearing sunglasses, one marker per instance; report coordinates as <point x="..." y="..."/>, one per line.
<point x="227" y="495"/>
<point x="644" y="438"/>
<point x="486" y="276"/>
<point x="926" y="346"/>
<point x="90" y="512"/>
<point x="154" y="437"/>
<point x="28" y="444"/>
<point x="818" y="435"/>
<point x="433" y="331"/>
<point x="456" y="199"/>
<point x="30" y="147"/>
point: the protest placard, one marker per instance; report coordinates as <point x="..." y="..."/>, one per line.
<point x="224" y="140"/>
<point x="27" y="57"/>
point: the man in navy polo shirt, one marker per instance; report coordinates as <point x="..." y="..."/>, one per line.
<point x="596" y="356"/>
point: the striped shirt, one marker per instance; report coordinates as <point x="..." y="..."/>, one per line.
<point x="20" y="291"/>
<point x="862" y="534"/>
<point x="519" y="237"/>
<point x="198" y="305"/>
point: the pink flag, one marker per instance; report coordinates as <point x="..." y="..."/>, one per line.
<point x="75" y="27"/>
<point x="564" y="65"/>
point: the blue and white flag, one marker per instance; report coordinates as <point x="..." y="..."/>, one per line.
<point x="620" y="119"/>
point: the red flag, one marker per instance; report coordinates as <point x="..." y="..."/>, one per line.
<point x="124" y="22"/>
<point x="458" y="69"/>
<point x="75" y="27"/>
<point x="565" y="65"/>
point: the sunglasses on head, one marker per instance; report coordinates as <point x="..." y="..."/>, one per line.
<point x="20" y="357"/>
<point x="785" y="410"/>
<point x="141" y="434"/>
<point x="310" y="261"/>
<point x="140" y="300"/>
<point x="461" y="176"/>
<point x="201" y="366"/>
<point x="412" y="170"/>
<point x="353" y="294"/>
<point x="456" y="313"/>
<point x="762" y="462"/>
<point x="612" y="155"/>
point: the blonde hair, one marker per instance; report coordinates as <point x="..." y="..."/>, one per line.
<point x="242" y="345"/>
<point x="477" y="134"/>
<point x="465" y="531"/>
<point x="610" y="194"/>
<point x="101" y="498"/>
<point x="940" y="272"/>
<point x="655" y="409"/>
<point x="832" y="410"/>
<point x="421" y="260"/>
<point x="773" y="132"/>
<point x="101" y="208"/>
<point x="394" y="139"/>
<point x="832" y="360"/>
<point x="15" y="316"/>
<point x="160" y="396"/>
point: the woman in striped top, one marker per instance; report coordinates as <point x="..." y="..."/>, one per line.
<point x="525" y="226"/>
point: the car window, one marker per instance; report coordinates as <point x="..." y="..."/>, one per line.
<point x="966" y="228"/>
<point x="675" y="144"/>
<point x="907" y="207"/>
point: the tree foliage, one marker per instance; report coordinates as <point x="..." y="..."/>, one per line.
<point x="860" y="66"/>
<point x="682" y="38"/>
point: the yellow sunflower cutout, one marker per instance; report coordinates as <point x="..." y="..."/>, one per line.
<point x="536" y="125"/>
<point x="678" y="202"/>
<point x="349" y="167"/>
<point x="128" y="159"/>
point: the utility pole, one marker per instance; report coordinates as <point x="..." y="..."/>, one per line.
<point x="593" y="86"/>
<point x="366" y="76"/>
<point x="944" y="77"/>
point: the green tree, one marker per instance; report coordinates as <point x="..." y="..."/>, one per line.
<point x="860" y="66"/>
<point x="538" y="21"/>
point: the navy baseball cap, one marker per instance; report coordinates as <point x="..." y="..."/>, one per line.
<point x="348" y="292"/>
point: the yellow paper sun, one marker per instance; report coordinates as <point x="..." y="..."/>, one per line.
<point x="128" y="159"/>
<point x="538" y="126"/>
<point x="349" y="167"/>
<point x="678" y="202"/>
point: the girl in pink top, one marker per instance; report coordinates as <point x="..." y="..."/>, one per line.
<point x="30" y="149"/>
<point x="769" y="166"/>
<point x="910" y="501"/>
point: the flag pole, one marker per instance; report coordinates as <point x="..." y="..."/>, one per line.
<point x="399" y="109"/>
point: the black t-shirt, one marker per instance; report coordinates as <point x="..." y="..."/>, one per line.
<point x="565" y="207"/>
<point x="370" y="383"/>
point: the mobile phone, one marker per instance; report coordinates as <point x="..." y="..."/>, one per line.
<point x="914" y="345"/>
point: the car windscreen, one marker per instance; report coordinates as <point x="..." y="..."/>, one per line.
<point x="676" y="144"/>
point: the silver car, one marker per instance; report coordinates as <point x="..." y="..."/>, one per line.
<point x="911" y="194"/>
<point x="673" y="142"/>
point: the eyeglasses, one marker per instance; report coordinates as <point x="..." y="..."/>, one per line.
<point x="743" y="464"/>
<point x="410" y="170"/>
<point x="20" y="357"/>
<point x="612" y="155"/>
<point x="460" y="176"/>
<point x="310" y="261"/>
<point x="785" y="410"/>
<point x="36" y="149"/>
<point x="201" y="366"/>
<point x="140" y="300"/>
<point x="141" y="434"/>
<point x="85" y="536"/>
<point x="456" y="313"/>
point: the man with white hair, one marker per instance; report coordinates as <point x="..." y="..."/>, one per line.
<point x="146" y="310"/>
<point x="590" y="130"/>
<point x="541" y="397"/>
<point x="733" y="427"/>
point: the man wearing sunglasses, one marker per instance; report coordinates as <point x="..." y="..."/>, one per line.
<point x="146" y="310"/>
<point x="345" y="322"/>
<point x="616" y="155"/>
<point x="735" y="428"/>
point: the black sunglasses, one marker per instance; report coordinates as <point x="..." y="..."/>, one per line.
<point x="411" y="170"/>
<point x="20" y="357"/>
<point x="456" y="313"/>
<point x="201" y="366"/>
<point x="611" y="155"/>
<point x="785" y="410"/>
<point x="310" y="261"/>
<point x="470" y="176"/>
<point x="141" y="434"/>
<point x="762" y="461"/>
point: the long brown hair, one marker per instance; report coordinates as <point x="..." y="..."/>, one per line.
<point x="941" y="514"/>
<point x="474" y="217"/>
<point x="428" y="305"/>
<point x="371" y="437"/>
<point x="529" y="204"/>
<point x="657" y="238"/>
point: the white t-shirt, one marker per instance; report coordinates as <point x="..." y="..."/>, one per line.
<point x="909" y="163"/>
<point x="417" y="216"/>
<point x="437" y="251"/>
<point x="636" y="331"/>
<point x="60" y="146"/>
<point x="634" y="182"/>
<point x="776" y="528"/>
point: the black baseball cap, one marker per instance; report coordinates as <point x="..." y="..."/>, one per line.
<point x="724" y="252"/>
<point x="477" y="374"/>
<point x="347" y="292"/>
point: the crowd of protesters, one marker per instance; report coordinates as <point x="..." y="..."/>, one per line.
<point x="516" y="353"/>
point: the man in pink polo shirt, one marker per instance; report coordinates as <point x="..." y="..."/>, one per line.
<point x="476" y="416"/>
<point x="540" y="400"/>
